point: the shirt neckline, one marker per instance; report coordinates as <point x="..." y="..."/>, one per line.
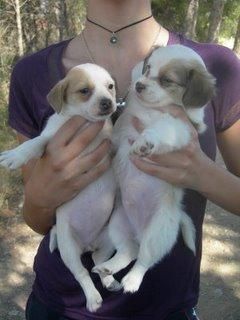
<point x="174" y="38"/>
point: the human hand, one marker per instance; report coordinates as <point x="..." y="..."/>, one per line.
<point x="180" y="167"/>
<point x="62" y="172"/>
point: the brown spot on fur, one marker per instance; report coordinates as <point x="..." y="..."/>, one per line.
<point x="78" y="79"/>
<point x="188" y="81"/>
<point x="68" y="89"/>
<point x="57" y="96"/>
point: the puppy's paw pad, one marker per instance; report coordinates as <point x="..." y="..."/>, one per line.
<point x="94" y="302"/>
<point x="142" y="147"/>
<point x="145" y="149"/>
<point x="131" y="283"/>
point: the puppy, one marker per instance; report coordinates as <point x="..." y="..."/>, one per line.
<point x="149" y="214"/>
<point x="87" y="90"/>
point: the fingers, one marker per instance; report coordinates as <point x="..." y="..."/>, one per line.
<point x="68" y="130"/>
<point x="171" y="159"/>
<point x="93" y="174"/>
<point x="67" y="147"/>
<point x="153" y="169"/>
<point x="82" y="140"/>
<point x="80" y="165"/>
<point x="177" y="158"/>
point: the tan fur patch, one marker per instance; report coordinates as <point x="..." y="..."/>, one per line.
<point x="68" y="89"/>
<point x="77" y="80"/>
<point x="189" y="79"/>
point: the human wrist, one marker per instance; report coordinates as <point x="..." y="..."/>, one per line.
<point x="38" y="218"/>
<point x="205" y="170"/>
<point x="35" y="197"/>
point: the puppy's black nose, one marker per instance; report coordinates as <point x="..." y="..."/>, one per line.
<point x="140" y="87"/>
<point x="105" y="104"/>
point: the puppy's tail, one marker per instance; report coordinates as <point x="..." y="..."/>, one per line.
<point x="53" y="239"/>
<point x="188" y="232"/>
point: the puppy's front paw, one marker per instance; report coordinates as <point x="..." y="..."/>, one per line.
<point x="11" y="159"/>
<point x="142" y="147"/>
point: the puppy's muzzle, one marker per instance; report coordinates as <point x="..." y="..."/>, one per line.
<point x="140" y="87"/>
<point x="105" y="106"/>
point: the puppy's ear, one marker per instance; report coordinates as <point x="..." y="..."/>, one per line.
<point x="57" y="96"/>
<point x="145" y="62"/>
<point x="200" y="87"/>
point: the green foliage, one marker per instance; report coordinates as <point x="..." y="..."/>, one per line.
<point x="230" y="18"/>
<point x="170" y="13"/>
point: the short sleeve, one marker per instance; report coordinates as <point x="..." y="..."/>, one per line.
<point x="227" y="100"/>
<point x="20" y="111"/>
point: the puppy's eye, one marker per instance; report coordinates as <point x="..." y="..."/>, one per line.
<point x="165" y="81"/>
<point x="84" y="91"/>
<point x="110" y="87"/>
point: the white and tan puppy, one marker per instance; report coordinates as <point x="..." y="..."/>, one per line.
<point x="87" y="90"/>
<point x="148" y="216"/>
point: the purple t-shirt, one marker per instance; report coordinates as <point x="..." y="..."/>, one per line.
<point x="171" y="285"/>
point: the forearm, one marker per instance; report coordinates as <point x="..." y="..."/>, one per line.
<point x="221" y="187"/>
<point x="39" y="219"/>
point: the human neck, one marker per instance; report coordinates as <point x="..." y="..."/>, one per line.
<point x="123" y="12"/>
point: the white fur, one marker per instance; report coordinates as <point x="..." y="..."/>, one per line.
<point x="147" y="219"/>
<point x="80" y="223"/>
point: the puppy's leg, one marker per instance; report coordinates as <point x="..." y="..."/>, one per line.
<point x="158" y="239"/>
<point x="33" y="148"/>
<point x="70" y="252"/>
<point x="19" y="156"/>
<point x="101" y="255"/>
<point x="121" y="235"/>
<point x="163" y="136"/>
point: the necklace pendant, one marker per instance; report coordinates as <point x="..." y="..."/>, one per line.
<point x="113" y="38"/>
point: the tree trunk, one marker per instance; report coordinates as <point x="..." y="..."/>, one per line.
<point x="215" y="20"/>
<point x="19" y="28"/>
<point x="63" y="20"/>
<point x="191" y="19"/>
<point x="236" y="47"/>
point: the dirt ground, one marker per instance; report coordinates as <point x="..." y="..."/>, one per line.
<point x="220" y="272"/>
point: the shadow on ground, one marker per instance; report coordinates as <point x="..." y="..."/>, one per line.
<point x="220" y="272"/>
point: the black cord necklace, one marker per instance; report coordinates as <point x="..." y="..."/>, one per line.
<point x="114" y="38"/>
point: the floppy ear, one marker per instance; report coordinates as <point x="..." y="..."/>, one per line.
<point x="200" y="88"/>
<point x="57" y="96"/>
<point x="145" y="62"/>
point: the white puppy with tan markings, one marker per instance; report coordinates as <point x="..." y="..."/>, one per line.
<point x="87" y="90"/>
<point x="148" y="216"/>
